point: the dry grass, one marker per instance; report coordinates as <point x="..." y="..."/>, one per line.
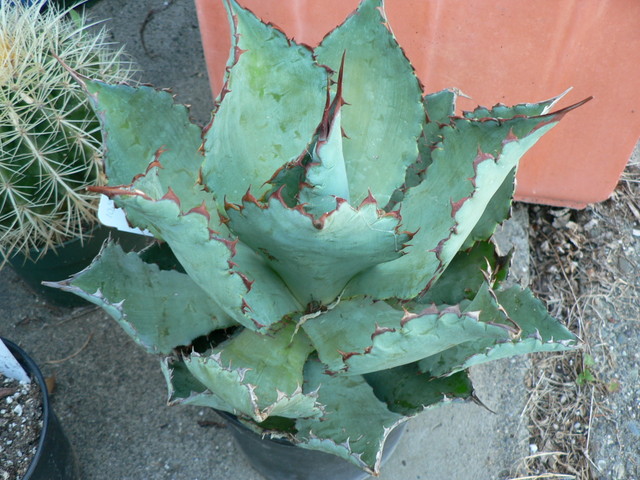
<point x="575" y="263"/>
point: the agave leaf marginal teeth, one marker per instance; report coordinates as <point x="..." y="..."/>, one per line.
<point x="369" y="200"/>
<point x="380" y="330"/>
<point x="158" y="153"/>
<point x="230" y="244"/>
<point x="394" y="214"/>
<point x="332" y="107"/>
<point x="223" y="220"/>
<point x="340" y="201"/>
<point x="258" y="325"/>
<point x="122" y="190"/>
<point x="347" y="355"/>
<point x="300" y="208"/>
<point x="430" y="310"/>
<point x="247" y="283"/>
<point x="137" y="177"/>
<point x="155" y="163"/>
<point x="238" y="52"/>
<point x="514" y="333"/>
<point x="536" y="334"/>
<point x="474" y="315"/>
<point x="481" y="157"/>
<point x="201" y="210"/>
<point x="231" y="206"/>
<point x="456" y="206"/>
<point x="277" y="195"/>
<point x="511" y="137"/>
<point x="438" y="248"/>
<point x="409" y="234"/>
<point x="454" y="309"/>
<point x="171" y="195"/>
<point x="407" y="317"/>
<point x="246" y="307"/>
<point x="249" y="198"/>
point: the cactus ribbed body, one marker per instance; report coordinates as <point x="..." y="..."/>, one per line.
<point x="50" y="137"/>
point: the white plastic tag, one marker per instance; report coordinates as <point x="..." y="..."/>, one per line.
<point x="9" y="366"/>
<point x="112" y="216"/>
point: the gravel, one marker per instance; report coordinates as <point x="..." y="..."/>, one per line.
<point x="20" y="426"/>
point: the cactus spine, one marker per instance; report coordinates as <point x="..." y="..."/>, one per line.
<point x="49" y="136"/>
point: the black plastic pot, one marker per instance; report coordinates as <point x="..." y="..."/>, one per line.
<point x="54" y="459"/>
<point x="66" y="260"/>
<point x="278" y="459"/>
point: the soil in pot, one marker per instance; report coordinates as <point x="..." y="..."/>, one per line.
<point x="54" y="458"/>
<point x="20" y="426"/>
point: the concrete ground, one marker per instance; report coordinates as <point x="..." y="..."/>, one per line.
<point x="110" y="395"/>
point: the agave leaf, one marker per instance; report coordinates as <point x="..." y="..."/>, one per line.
<point x="170" y="310"/>
<point x="287" y="182"/>
<point x="522" y="109"/>
<point x="408" y="391"/>
<point x="260" y="375"/>
<point x="185" y="389"/>
<point x="317" y="257"/>
<point x="326" y="176"/>
<point x="383" y="118"/>
<point x="273" y="101"/>
<point x="141" y="125"/>
<point x="539" y="332"/>
<point x="235" y="278"/>
<point x="499" y="207"/>
<point x="346" y="428"/>
<point x="469" y="167"/>
<point x="439" y="107"/>
<point x="361" y="336"/>
<point x="498" y="210"/>
<point x="466" y="274"/>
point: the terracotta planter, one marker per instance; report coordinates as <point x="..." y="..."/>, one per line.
<point x="507" y="51"/>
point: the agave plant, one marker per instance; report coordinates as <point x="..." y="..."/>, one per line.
<point x="50" y="137"/>
<point x="324" y="268"/>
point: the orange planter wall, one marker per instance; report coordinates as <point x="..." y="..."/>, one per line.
<point x="507" y="51"/>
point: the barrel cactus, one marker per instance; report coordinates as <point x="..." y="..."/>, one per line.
<point x="324" y="268"/>
<point x="50" y="137"/>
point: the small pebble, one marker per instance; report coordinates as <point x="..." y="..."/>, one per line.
<point x="619" y="472"/>
<point x="634" y="428"/>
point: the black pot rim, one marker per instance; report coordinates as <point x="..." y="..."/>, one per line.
<point x="34" y="372"/>
<point x="34" y="253"/>
<point x="230" y="417"/>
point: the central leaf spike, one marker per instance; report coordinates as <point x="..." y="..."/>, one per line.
<point x="326" y="175"/>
